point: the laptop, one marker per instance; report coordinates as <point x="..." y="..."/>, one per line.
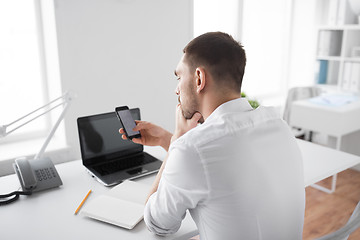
<point x="108" y="157"/>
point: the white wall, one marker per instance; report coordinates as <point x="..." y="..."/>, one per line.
<point x="121" y="52"/>
<point x="303" y="43"/>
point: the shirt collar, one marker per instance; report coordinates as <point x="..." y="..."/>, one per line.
<point x="235" y="105"/>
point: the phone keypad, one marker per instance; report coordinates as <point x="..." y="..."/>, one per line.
<point x="45" y="173"/>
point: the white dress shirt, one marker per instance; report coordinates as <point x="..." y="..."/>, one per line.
<point x="240" y="175"/>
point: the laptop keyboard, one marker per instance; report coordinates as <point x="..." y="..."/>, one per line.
<point x="116" y="166"/>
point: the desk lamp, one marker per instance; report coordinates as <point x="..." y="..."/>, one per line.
<point x="39" y="173"/>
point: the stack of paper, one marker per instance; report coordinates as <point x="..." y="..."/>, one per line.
<point x="334" y="99"/>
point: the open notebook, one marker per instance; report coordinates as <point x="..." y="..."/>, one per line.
<point x="122" y="206"/>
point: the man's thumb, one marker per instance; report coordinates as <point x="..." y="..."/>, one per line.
<point x="196" y="117"/>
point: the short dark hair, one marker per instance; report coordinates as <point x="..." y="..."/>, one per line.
<point x="224" y="58"/>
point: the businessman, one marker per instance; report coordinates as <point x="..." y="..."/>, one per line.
<point x="239" y="172"/>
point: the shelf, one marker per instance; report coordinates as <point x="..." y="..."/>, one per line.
<point x="338" y="46"/>
<point x="339" y="59"/>
<point x="340" y="27"/>
<point x="353" y="27"/>
<point x="329" y="58"/>
<point x="352" y="59"/>
<point x="327" y="88"/>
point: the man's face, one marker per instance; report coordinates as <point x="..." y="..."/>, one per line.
<point x="186" y="89"/>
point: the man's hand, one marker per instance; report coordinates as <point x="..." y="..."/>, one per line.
<point x="182" y="124"/>
<point x="151" y="135"/>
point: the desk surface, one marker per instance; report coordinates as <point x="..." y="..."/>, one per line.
<point x="322" y="162"/>
<point x="332" y="120"/>
<point x="50" y="214"/>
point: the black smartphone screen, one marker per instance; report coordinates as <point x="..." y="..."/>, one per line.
<point x="128" y="123"/>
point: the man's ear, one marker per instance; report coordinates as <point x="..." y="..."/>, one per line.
<point x="200" y="78"/>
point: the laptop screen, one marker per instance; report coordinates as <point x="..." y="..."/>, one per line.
<point x="100" y="139"/>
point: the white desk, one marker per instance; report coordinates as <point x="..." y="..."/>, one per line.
<point x="322" y="162"/>
<point x="50" y="214"/>
<point x="334" y="121"/>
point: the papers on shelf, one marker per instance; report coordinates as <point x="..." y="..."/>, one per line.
<point x="351" y="77"/>
<point x="323" y="71"/>
<point x="340" y="12"/>
<point x="334" y="99"/>
<point x="329" y="42"/>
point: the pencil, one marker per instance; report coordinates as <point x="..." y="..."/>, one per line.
<point x="77" y="210"/>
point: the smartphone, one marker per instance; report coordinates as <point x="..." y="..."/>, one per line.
<point x="127" y="121"/>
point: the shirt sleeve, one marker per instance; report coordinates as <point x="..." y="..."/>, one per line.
<point x="182" y="186"/>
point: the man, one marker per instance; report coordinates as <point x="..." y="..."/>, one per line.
<point x="239" y="173"/>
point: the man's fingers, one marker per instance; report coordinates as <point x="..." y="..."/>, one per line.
<point x="137" y="140"/>
<point x="123" y="136"/>
<point x="179" y="115"/>
<point x="137" y="128"/>
<point x="196" y="117"/>
<point x="194" y="120"/>
<point x="140" y="125"/>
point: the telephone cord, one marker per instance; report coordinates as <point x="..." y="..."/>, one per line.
<point x="12" y="197"/>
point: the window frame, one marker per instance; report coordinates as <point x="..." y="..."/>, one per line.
<point x="50" y="89"/>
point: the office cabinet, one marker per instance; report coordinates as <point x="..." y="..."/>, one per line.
<point x="338" y="46"/>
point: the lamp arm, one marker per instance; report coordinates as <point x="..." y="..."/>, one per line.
<point x="7" y="125"/>
<point x="52" y="132"/>
<point x="31" y="118"/>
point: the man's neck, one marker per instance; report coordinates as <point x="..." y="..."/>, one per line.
<point x="211" y="102"/>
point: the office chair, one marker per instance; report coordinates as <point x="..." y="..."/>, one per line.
<point x="344" y="232"/>
<point x="188" y="236"/>
<point x="341" y="234"/>
<point x="294" y="94"/>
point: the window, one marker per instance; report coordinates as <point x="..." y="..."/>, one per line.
<point x="23" y="79"/>
<point x="266" y="39"/>
<point x="29" y="78"/>
<point x="216" y="15"/>
<point x="263" y="28"/>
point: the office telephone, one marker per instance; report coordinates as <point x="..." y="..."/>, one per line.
<point x="36" y="175"/>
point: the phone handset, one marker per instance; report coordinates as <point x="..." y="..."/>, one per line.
<point x="37" y="174"/>
<point x="25" y="173"/>
<point x="34" y="175"/>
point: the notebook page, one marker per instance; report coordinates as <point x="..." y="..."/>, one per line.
<point x="114" y="211"/>
<point x="130" y="191"/>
